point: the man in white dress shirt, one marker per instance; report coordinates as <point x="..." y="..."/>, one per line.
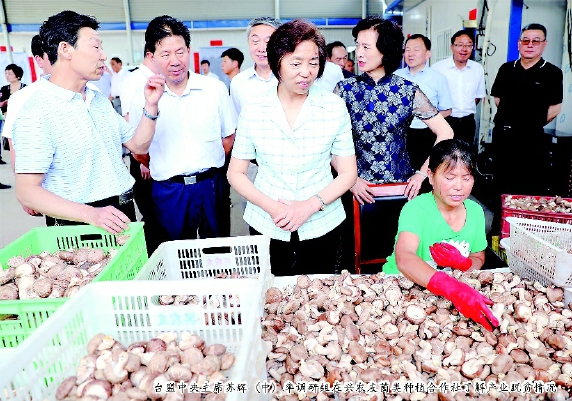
<point x="254" y="80"/>
<point x="206" y="69"/>
<point x="466" y="83"/>
<point x="68" y="138"/>
<point x="118" y="77"/>
<point x="142" y="188"/>
<point x="194" y="133"/>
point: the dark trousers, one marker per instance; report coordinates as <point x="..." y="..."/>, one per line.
<point x="127" y="208"/>
<point x="155" y="235"/>
<point x="521" y="165"/>
<point x="312" y="256"/>
<point x="183" y="209"/>
<point x="419" y="144"/>
<point x="464" y="128"/>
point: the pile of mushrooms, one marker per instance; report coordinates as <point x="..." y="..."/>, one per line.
<point x="112" y="372"/>
<point x="386" y="328"/>
<point x="543" y="204"/>
<point x="47" y="275"/>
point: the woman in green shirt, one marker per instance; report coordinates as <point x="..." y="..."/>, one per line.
<point x="445" y="228"/>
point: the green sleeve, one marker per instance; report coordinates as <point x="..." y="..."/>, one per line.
<point x="479" y="242"/>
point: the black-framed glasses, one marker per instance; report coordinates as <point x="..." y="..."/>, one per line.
<point x="458" y="45"/>
<point x="535" y="42"/>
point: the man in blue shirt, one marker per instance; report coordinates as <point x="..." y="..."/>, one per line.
<point x="420" y="138"/>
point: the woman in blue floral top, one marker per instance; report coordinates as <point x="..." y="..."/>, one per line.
<point x="381" y="106"/>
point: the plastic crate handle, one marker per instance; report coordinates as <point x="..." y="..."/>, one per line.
<point x="215" y="250"/>
<point x="90" y="237"/>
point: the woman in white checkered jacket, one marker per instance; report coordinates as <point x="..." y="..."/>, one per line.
<point x="296" y="132"/>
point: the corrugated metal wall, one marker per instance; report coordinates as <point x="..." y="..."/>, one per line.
<point x="37" y="11"/>
<point x="144" y="10"/>
<point x="106" y="11"/>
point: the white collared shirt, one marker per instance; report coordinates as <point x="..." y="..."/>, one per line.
<point x="330" y="78"/>
<point x="18" y="99"/>
<point x="465" y="85"/>
<point x="133" y="83"/>
<point x="434" y="85"/>
<point x="294" y="163"/>
<point x="190" y="127"/>
<point x="246" y="85"/>
<point x="117" y="80"/>
<point x="76" y="144"/>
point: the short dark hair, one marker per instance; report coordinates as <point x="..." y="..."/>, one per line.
<point x="389" y="40"/>
<point x="162" y="27"/>
<point x="534" y="26"/>
<point x="234" y="54"/>
<point x="424" y="38"/>
<point x="289" y="35"/>
<point x="462" y="32"/>
<point x="330" y="47"/>
<point x="450" y="152"/>
<point x="117" y="60"/>
<point x="206" y="62"/>
<point x="17" y="70"/>
<point x="37" y="46"/>
<point x="63" y="27"/>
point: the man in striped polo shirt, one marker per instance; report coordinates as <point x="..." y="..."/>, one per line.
<point x="69" y="139"/>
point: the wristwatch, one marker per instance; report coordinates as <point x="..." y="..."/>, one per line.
<point x="150" y="116"/>
<point x="323" y="207"/>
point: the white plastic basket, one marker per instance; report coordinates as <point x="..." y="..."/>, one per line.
<point x="249" y="256"/>
<point x="129" y="312"/>
<point x="539" y="251"/>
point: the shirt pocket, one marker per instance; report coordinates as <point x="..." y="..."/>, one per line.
<point x="204" y="123"/>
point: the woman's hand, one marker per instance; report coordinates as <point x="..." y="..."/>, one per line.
<point x="362" y="192"/>
<point x="413" y="186"/>
<point x="295" y="213"/>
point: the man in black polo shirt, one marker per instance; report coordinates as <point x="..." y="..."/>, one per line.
<point x="528" y="94"/>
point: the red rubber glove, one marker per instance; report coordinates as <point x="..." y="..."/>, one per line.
<point x="446" y="255"/>
<point x="467" y="300"/>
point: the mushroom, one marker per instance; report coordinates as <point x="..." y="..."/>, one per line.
<point x="115" y="372"/>
<point x="415" y="314"/>
<point x="100" y="389"/>
<point x="66" y="388"/>
<point x="311" y="369"/>
<point x="42" y="287"/>
<point x="502" y="364"/>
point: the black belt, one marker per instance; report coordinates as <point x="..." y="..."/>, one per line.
<point x="194" y="178"/>
<point x="122" y="199"/>
<point x="463" y="118"/>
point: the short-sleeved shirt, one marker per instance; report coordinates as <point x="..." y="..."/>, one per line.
<point x="381" y="113"/>
<point x="246" y="85"/>
<point x="434" y="85"/>
<point x="76" y="144"/>
<point x="465" y="85"/>
<point x="294" y="164"/>
<point x="133" y="84"/>
<point x="330" y="78"/>
<point x="526" y="94"/>
<point x="18" y="99"/>
<point x="421" y="217"/>
<point x="189" y="131"/>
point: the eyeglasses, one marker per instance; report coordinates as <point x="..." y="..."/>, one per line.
<point x="535" y="42"/>
<point x="457" y="45"/>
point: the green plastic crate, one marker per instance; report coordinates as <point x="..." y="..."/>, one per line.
<point x="30" y="313"/>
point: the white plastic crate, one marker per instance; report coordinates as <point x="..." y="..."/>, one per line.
<point x="249" y="256"/>
<point x="129" y="312"/>
<point x="539" y="251"/>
